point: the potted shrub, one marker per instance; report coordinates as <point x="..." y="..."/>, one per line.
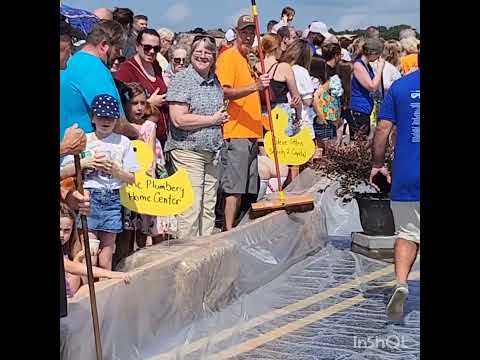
<point x="350" y="165"/>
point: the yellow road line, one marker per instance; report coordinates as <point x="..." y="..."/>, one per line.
<point x="293" y="326"/>
<point x="225" y="334"/>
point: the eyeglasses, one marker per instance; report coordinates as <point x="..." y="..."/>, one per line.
<point x="179" y="61"/>
<point x="147" y="48"/>
<point x="200" y="53"/>
<point x="201" y="37"/>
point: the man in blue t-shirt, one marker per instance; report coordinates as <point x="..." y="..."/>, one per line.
<point x="88" y="74"/>
<point x="401" y="107"/>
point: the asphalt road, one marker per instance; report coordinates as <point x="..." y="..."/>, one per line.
<point x="329" y="306"/>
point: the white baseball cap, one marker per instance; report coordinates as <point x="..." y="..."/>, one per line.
<point x="319" y="28"/>
<point x="305" y="33"/>
<point x="331" y="39"/>
<point x="230" y="35"/>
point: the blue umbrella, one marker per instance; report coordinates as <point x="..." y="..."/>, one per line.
<point x="80" y="19"/>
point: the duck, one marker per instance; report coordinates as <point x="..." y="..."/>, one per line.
<point x="157" y="197"/>
<point x="291" y="150"/>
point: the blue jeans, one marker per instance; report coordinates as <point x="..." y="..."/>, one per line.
<point x="105" y="211"/>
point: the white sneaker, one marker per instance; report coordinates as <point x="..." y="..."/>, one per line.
<point x="395" y="305"/>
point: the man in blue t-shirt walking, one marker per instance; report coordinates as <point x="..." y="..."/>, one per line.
<point x="401" y="107"/>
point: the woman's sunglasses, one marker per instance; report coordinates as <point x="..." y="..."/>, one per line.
<point x="179" y="61"/>
<point x="147" y="48"/>
<point x="201" y="37"/>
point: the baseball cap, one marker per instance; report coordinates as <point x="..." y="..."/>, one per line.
<point x="245" y="21"/>
<point x="332" y="39"/>
<point x="230" y="35"/>
<point x="319" y="28"/>
<point x="105" y="106"/>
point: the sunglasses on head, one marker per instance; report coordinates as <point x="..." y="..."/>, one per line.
<point x="147" y="48"/>
<point x="201" y="37"/>
<point x="179" y="61"/>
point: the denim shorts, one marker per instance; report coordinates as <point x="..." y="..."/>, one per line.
<point x="326" y="131"/>
<point x="105" y="211"/>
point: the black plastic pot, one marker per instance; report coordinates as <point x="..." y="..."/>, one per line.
<point x="376" y="215"/>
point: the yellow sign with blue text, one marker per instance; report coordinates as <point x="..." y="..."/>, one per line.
<point x="291" y="150"/>
<point x="157" y="197"/>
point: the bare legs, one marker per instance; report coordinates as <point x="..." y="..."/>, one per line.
<point x="405" y="255"/>
<point x="107" y="240"/>
<point x="232" y="204"/>
<point x="107" y="244"/>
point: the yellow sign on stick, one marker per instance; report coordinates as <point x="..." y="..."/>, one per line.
<point x="157" y="197"/>
<point x="291" y="150"/>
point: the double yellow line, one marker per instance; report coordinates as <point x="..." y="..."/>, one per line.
<point x="290" y="327"/>
<point x="293" y="326"/>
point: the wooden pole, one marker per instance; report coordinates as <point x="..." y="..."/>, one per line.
<point x="88" y="258"/>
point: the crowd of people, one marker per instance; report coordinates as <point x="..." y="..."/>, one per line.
<point x="200" y="103"/>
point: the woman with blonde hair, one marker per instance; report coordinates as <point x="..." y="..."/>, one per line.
<point x="356" y="48"/>
<point x="166" y="41"/>
<point x="391" y="54"/>
<point x="392" y="51"/>
<point x="409" y="62"/>
<point x="282" y="82"/>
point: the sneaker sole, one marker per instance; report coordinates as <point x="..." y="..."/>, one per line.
<point x="395" y="305"/>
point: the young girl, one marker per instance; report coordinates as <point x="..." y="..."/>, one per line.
<point x="75" y="269"/>
<point x="111" y="163"/>
<point x="328" y="107"/>
<point x="143" y="116"/>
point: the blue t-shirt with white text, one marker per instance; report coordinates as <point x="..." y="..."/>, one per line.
<point x="401" y="106"/>
<point x="85" y="77"/>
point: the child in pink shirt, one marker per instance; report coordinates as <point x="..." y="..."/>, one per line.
<point x="143" y="116"/>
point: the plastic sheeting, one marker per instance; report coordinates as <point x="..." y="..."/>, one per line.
<point x="343" y="218"/>
<point x="287" y="299"/>
<point x="175" y="288"/>
<point x="172" y="287"/>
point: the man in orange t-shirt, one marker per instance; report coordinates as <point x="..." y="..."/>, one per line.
<point x="238" y="164"/>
